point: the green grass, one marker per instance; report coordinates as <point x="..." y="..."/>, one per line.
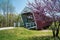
<point x="25" y="34"/>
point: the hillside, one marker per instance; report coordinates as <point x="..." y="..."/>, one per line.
<point x="25" y="34"/>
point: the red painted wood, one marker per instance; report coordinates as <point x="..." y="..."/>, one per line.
<point x="40" y="22"/>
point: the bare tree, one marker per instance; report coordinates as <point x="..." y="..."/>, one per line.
<point x="6" y="7"/>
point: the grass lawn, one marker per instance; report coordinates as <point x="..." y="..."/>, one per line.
<point x="25" y="34"/>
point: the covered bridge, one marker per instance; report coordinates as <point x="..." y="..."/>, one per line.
<point x="34" y="20"/>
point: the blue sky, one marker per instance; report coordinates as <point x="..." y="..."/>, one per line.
<point x="19" y="5"/>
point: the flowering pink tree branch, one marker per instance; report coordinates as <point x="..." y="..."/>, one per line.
<point x="53" y="8"/>
<point x="50" y="7"/>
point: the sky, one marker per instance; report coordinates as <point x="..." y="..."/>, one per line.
<point x="19" y="5"/>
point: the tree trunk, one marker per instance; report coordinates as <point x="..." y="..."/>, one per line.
<point x="53" y="32"/>
<point x="54" y="29"/>
<point x="57" y="31"/>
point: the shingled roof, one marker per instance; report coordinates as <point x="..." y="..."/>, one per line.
<point x="26" y="10"/>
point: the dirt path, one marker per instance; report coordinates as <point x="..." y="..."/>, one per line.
<point x="5" y="28"/>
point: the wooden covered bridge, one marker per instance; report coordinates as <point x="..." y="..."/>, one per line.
<point x="34" y="20"/>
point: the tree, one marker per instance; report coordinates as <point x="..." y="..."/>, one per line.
<point x="1" y="20"/>
<point x="50" y="7"/>
<point x="6" y="7"/>
<point x="11" y="18"/>
<point x="53" y="8"/>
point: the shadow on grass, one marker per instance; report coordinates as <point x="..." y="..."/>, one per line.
<point x="39" y="38"/>
<point x="42" y="38"/>
<point x="45" y="38"/>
